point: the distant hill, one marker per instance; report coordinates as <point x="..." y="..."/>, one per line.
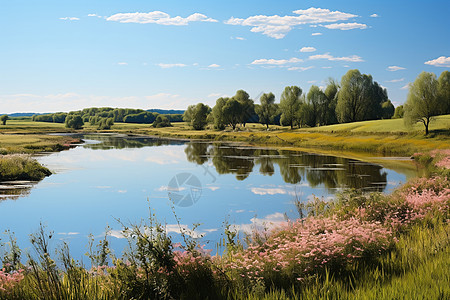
<point x="23" y="114"/>
<point x="166" y="111"/>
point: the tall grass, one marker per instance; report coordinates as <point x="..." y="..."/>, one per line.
<point x="358" y="246"/>
<point x="21" y="167"/>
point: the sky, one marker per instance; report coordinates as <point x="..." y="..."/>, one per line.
<point x="73" y="54"/>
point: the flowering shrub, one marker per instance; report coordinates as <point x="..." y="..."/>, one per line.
<point x="9" y="280"/>
<point x="306" y="247"/>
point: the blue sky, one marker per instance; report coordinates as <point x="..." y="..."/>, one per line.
<point x="67" y="55"/>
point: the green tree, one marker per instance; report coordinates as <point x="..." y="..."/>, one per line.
<point x="359" y="98"/>
<point x="161" y="121"/>
<point x="331" y="92"/>
<point x="388" y="109"/>
<point x="399" y="112"/>
<point x="444" y="91"/>
<point x="4" y="118"/>
<point x="199" y="115"/>
<point x="290" y="104"/>
<point x="318" y="102"/>
<point x="232" y="112"/>
<point x="267" y="111"/>
<point x="105" y="123"/>
<point x="247" y="106"/>
<point x="422" y="103"/>
<point x="74" y="121"/>
<point x="217" y="113"/>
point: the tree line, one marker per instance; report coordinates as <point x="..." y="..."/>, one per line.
<point x="105" y="117"/>
<point x="357" y="97"/>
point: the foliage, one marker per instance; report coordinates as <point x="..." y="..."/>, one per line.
<point x="359" y="98"/>
<point x="218" y="115"/>
<point x="388" y="109"/>
<point x="74" y="121"/>
<point x="268" y="110"/>
<point x="4" y="118"/>
<point x="232" y="112"/>
<point x="399" y="112"/>
<point x="444" y="91"/>
<point x="422" y="103"/>
<point x="161" y="121"/>
<point x="105" y="123"/>
<point x="290" y="104"/>
<point x="196" y="115"/>
<point x="21" y="167"/>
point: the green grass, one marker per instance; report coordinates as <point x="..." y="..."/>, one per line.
<point x="19" y="167"/>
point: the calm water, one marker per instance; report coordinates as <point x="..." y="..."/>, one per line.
<point x="116" y="177"/>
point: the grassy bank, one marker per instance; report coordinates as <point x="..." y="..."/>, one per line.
<point x="383" y="137"/>
<point x="21" y="167"/>
<point x="358" y="246"/>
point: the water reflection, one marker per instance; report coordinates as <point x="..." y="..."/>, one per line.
<point x="330" y="171"/>
<point x="12" y="190"/>
<point x="105" y="142"/>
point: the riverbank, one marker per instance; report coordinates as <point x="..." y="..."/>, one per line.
<point x="357" y="246"/>
<point x="380" y="137"/>
<point x="21" y="167"/>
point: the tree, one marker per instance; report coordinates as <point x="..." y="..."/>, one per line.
<point x="267" y="110"/>
<point x="444" y="91"/>
<point x="198" y="116"/>
<point x="105" y="123"/>
<point x="74" y="121"/>
<point x="359" y="98"/>
<point x="331" y="92"/>
<point x="4" y="118"/>
<point x="318" y="105"/>
<point x="422" y="103"/>
<point x="188" y="113"/>
<point x="399" y="112"/>
<point x="290" y="104"/>
<point x="161" y="121"/>
<point x="217" y="113"/>
<point x="232" y="112"/>
<point x="247" y="106"/>
<point x="388" y="109"/>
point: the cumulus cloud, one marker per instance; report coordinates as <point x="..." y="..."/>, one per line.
<point x="158" y="17"/>
<point x="166" y="66"/>
<point x="327" y="56"/>
<point x="316" y="33"/>
<point x="214" y="66"/>
<point x="277" y="27"/>
<point x="441" y="61"/>
<point x="396" y="80"/>
<point x="308" y="49"/>
<point x="268" y="222"/>
<point x="346" y="26"/>
<point x="69" y="19"/>
<point x="94" y="15"/>
<point x="276" y="62"/>
<point x="374" y="16"/>
<point x="394" y="68"/>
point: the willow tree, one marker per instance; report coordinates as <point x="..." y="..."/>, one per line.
<point x="267" y="111"/>
<point x="444" y="91"/>
<point x="422" y="103"/>
<point x="290" y="104"/>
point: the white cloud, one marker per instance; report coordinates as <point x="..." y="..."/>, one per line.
<point x="374" y="16"/>
<point x="277" y="62"/>
<point x="214" y="66"/>
<point x="351" y="58"/>
<point x="308" y="49"/>
<point x="122" y="63"/>
<point x="69" y="19"/>
<point x="394" y="68"/>
<point x="396" y="80"/>
<point x="312" y="81"/>
<point x="327" y="67"/>
<point x="158" y="17"/>
<point x="346" y="26"/>
<point x="239" y="38"/>
<point x="278" y="26"/>
<point x="268" y="191"/>
<point x="300" y="68"/>
<point x="405" y="87"/>
<point x="269" y="222"/>
<point x="94" y="15"/>
<point x="441" y="61"/>
<point x="166" y="66"/>
<point x="316" y="33"/>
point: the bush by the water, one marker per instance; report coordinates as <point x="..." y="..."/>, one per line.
<point x="21" y="167"/>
